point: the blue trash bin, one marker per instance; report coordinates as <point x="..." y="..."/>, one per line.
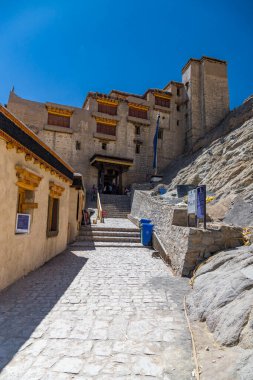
<point x="146" y="233"/>
<point x="141" y="221"/>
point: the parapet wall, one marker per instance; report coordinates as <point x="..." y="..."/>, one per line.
<point x="180" y="246"/>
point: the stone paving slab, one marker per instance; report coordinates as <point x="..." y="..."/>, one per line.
<point x="108" y="313"/>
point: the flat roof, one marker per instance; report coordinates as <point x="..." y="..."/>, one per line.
<point x="203" y="58"/>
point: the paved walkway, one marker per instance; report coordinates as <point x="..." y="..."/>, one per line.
<point x="105" y="314"/>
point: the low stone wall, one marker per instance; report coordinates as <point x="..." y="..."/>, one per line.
<point x="180" y="246"/>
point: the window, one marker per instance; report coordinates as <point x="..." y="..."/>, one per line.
<point x="137" y="130"/>
<point x="136" y="112"/>
<point x="160" y="134"/>
<point x="162" y="102"/>
<point x="137" y="148"/>
<point x="178" y="108"/>
<point x="53" y="216"/>
<point x="178" y="91"/>
<point x="55" y="192"/>
<point x="104" y="146"/>
<point x="78" y="145"/>
<point x="177" y="122"/>
<point x="107" y="108"/>
<point x="58" y="120"/>
<point x="106" y="129"/>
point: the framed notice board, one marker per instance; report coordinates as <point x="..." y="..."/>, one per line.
<point x="23" y="223"/>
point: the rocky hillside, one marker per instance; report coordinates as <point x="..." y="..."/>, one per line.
<point x="225" y="165"/>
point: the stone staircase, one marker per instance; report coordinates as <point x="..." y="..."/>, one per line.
<point x="106" y="236"/>
<point x="115" y="206"/>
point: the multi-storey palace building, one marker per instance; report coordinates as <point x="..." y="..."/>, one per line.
<point x="110" y="139"/>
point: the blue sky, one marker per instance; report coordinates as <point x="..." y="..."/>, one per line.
<point x="58" y="50"/>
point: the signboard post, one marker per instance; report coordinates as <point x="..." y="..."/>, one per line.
<point x="197" y="204"/>
<point x="23" y="223"/>
<point x="201" y="203"/>
<point x="192" y="204"/>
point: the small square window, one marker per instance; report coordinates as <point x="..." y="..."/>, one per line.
<point x="137" y="149"/>
<point x="78" y="145"/>
<point x="104" y="146"/>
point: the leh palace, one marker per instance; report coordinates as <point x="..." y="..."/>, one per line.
<point x="53" y="154"/>
<point x="110" y="139"/>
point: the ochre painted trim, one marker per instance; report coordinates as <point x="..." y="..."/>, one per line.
<point x="27" y="179"/>
<point x="138" y="106"/>
<point x="112" y="161"/>
<point x="29" y="155"/>
<point x="22" y="126"/>
<point x="162" y="96"/>
<point x="59" y="111"/>
<point x="102" y="120"/>
<point x="55" y="191"/>
<point x="109" y="102"/>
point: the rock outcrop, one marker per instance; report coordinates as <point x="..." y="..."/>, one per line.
<point x="222" y="297"/>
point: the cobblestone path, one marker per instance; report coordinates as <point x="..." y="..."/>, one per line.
<point x="107" y="313"/>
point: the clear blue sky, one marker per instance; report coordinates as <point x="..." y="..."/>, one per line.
<point x="58" y="50"/>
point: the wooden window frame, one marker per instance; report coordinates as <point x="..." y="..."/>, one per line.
<point x="162" y="102"/>
<point x="58" y="120"/>
<point x="106" y="129"/>
<point x="51" y="201"/>
<point x="107" y="108"/>
<point x="139" y="113"/>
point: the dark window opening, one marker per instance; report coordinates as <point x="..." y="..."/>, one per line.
<point x="137" y="148"/>
<point x="137" y="130"/>
<point x="78" y="145"/>
<point x="53" y="216"/>
<point x="160" y="134"/>
<point x="106" y="129"/>
<point x="178" y="108"/>
<point x="177" y="122"/>
<point x="178" y="91"/>
<point x="162" y="102"/>
<point x="104" y="146"/>
<point x="135" y="112"/>
<point x="106" y="108"/>
<point x="58" y="120"/>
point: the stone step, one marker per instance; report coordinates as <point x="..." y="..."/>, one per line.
<point x="100" y="227"/>
<point x="109" y="239"/>
<point x="93" y="233"/>
<point x="92" y="245"/>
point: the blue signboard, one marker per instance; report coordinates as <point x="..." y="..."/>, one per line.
<point x="201" y="202"/>
<point x="23" y="223"/>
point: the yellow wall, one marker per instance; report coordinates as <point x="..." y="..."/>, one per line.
<point x="22" y="253"/>
<point x="74" y="223"/>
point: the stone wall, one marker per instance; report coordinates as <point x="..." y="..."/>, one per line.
<point x="180" y="246"/>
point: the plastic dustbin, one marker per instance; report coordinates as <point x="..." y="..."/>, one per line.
<point x="141" y="221"/>
<point x="146" y="233"/>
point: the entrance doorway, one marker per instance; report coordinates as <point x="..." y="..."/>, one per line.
<point x="109" y="180"/>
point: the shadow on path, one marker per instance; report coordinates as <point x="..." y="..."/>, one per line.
<point x="25" y="304"/>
